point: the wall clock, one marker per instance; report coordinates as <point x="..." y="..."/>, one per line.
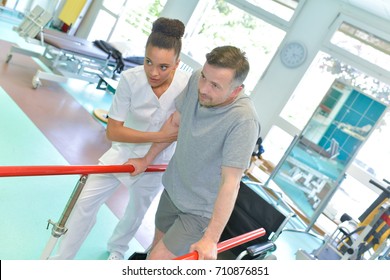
<point x="293" y="54"/>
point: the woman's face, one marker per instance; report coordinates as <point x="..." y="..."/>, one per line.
<point x="160" y="65"/>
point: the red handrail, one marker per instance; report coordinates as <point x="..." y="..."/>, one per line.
<point x="228" y="244"/>
<point x="42" y="170"/>
<point x="13" y="171"/>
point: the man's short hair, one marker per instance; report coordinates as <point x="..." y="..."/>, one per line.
<point x="230" y="57"/>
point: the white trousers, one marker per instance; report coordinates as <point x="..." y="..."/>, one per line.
<point x="98" y="188"/>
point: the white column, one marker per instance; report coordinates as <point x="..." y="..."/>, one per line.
<point x="179" y="9"/>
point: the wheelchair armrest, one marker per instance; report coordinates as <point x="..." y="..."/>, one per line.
<point x="261" y="248"/>
<point x="257" y="251"/>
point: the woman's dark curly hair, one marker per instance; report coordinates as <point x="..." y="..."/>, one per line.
<point x="167" y="34"/>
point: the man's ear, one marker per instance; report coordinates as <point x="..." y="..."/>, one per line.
<point x="237" y="90"/>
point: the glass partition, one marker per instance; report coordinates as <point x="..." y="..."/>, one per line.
<point x="315" y="163"/>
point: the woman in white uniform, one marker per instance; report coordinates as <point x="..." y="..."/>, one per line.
<point x="143" y="101"/>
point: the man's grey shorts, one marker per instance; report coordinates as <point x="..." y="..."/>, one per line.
<point x="181" y="229"/>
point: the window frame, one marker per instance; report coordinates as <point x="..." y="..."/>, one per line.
<point x="267" y="16"/>
<point x="354" y="60"/>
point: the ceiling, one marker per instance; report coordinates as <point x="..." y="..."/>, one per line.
<point x="380" y="8"/>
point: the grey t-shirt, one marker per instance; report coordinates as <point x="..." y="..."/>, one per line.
<point x="208" y="139"/>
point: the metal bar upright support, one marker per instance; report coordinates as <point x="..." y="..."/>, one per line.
<point x="59" y="228"/>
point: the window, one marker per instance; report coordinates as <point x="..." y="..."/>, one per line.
<point x="352" y="198"/>
<point x="114" y="6"/>
<point x="102" y="27"/>
<point x="126" y="21"/>
<point x="135" y="23"/>
<point x="217" y="23"/>
<point x="282" y="8"/>
<point x="276" y="143"/>
<point x="363" y="44"/>
<point x="309" y="92"/>
<point x="374" y="156"/>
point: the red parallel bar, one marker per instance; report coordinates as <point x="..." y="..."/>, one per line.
<point x="228" y="244"/>
<point x="42" y="170"/>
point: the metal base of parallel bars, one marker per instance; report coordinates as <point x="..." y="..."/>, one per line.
<point x="59" y="228"/>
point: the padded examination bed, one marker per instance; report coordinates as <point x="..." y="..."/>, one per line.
<point x="73" y="44"/>
<point x="73" y="57"/>
<point x="80" y="46"/>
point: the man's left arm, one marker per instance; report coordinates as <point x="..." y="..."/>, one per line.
<point x="224" y="204"/>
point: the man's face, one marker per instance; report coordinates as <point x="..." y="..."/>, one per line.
<point x="215" y="86"/>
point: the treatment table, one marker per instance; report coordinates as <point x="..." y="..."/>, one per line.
<point x="71" y="57"/>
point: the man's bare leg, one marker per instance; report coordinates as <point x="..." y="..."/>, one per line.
<point x="159" y="251"/>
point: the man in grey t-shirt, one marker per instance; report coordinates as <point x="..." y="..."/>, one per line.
<point x="217" y="132"/>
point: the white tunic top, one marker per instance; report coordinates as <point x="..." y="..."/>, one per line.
<point x="136" y="104"/>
